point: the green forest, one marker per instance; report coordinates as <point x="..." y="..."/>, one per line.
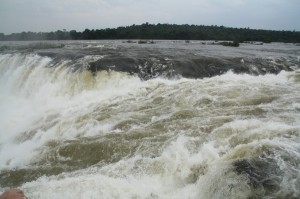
<point x="162" y="32"/>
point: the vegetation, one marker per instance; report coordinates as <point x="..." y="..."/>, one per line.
<point x="148" y="31"/>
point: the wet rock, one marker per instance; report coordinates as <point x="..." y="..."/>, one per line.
<point x="264" y="175"/>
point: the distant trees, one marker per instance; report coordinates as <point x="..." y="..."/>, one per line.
<point x="2" y="36"/>
<point x="163" y="31"/>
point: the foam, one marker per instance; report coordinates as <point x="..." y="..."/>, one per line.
<point x="185" y="133"/>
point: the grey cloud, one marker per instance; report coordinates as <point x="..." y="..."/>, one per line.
<point x="47" y="15"/>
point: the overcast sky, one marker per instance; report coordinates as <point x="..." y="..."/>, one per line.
<point x="52" y="15"/>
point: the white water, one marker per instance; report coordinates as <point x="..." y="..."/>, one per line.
<point x="171" y="138"/>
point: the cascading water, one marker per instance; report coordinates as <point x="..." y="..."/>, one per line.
<point x="68" y="133"/>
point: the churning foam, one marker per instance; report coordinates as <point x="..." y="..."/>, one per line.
<point x="34" y="88"/>
<point x="184" y="138"/>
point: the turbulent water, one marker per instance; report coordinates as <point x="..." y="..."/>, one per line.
<point x="69" y="132"/>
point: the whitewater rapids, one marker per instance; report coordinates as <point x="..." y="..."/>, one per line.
<point x="69" y="133"/>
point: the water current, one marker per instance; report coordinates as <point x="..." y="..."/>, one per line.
<point x="69" y="133"/>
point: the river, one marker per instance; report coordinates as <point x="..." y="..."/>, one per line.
<point x="118" y="119"/>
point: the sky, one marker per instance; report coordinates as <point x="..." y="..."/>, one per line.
<point x="51" y="15"/>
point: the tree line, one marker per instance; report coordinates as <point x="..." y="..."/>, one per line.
<point x="162" y="31"/>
